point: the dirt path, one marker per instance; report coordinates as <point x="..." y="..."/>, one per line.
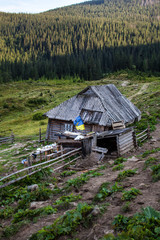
<point x="143" y="89"/>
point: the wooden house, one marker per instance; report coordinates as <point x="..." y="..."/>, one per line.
<point x="99" y="106"/>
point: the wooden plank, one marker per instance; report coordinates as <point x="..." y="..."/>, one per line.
<point x="100" y="149"/>
<point x="126" y="142"/>
<point x="138" y="138"/>
<point x="142" y="132"/>
<point x="142" y="139"/>
<point x="125" y="135"/>
<point x="127" y="148"/>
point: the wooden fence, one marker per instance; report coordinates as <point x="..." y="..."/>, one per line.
<point x="7" y="139"/>
<point x="142" y="136"/>
<point x="76" y="154"/>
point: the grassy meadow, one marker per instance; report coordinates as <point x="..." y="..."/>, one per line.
<point x="21" y="101"/>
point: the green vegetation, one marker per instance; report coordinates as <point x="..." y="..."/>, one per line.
<point x="6" y="212"/>
<point x="125" y="35"/>
<point x="143" y="225"/>
<point x="148" y="152"/>
<point x="64" y="201"/>
<point x="126" y="173"/>
<point x="83" y="178"/>
<point x="119" y="160"/>
<point x="67" y="173"/>
<point x="155" y="172"/>
<point x="131" y="194"/>
<point x="126" y="207"/>
<point x="66" y="224"/>
<point x="118" y="167"/>
<point x="150" y="161"/>
<point x="105" y="191"/>
<point x="31" y="214"/>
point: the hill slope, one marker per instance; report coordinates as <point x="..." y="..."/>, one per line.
<point x="87" y="40"/>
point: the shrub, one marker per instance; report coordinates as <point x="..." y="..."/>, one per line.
<point x="119" y="160"/>
<point x="155" y="172"/>
<point x="128" y="195"/>
<point x="105" y="191"/>
<point x="118" y="167"/>
<point x="126" y="173"/>
<point x="38" y="116"/>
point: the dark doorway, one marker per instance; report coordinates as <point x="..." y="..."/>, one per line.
<point x="109" y="143"/>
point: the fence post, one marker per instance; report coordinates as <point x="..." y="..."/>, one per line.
<point x="12" y="138"/>
<point x="148" y="131"/>
<point x="40" y="136"/>
<point x="135" y="139"/>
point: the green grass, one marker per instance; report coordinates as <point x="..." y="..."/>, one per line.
<point x="42" y="95"/>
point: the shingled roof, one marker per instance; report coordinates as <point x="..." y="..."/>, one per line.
<point x="100" y="104"/>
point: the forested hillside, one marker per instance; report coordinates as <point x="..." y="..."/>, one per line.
<point x="88" y="40"/>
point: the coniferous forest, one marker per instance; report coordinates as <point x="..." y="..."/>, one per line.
<point x="86" y="40"/>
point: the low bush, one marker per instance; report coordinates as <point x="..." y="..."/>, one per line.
<point x="126" y="173"/>
<point x="131" y="194"/>
<point x="155" y="172"/>
<point x="118" y="167"/>
<point x="38" y="116"/>
<point x="105" y="191"/>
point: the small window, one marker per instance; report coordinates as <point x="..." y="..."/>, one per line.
<point x="68" y="127"/>
<point x="88" y="116"/>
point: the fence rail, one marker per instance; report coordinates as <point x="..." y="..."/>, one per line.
<point x="38" y="167"/>
<point x="142" y="136"/>
<point x="7" y="139"/>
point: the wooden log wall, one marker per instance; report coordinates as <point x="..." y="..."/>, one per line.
<point x="55" y="126"/>
<point x="126" y="142"/>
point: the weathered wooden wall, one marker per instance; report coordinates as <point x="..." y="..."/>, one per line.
<point x="125" y="142"/>
<point x="55" y="126"/>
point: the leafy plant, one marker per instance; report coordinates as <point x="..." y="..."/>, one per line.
<point x="126" y="207"/>
<point x="65" y="200"/>
<point x="149" y="162"/>
<point x="118" y="167"/>
<point x="83" y="178"/>
<point x="143" y="225"/>
<point x="30" y="214"/>
<point x="119" y="160"/>
<point x="126" y="173"/>
<point x="155" y="172"/>
<point x="148" y="152"/>
<point x="128" y="195"/>
<point x="105" y="191"/>
<point x="6" y="212"/>
<point x="67" y="173"/>
<point x="66" y="223"/>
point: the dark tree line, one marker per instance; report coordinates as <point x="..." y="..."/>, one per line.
<point x="55" y="44"/>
